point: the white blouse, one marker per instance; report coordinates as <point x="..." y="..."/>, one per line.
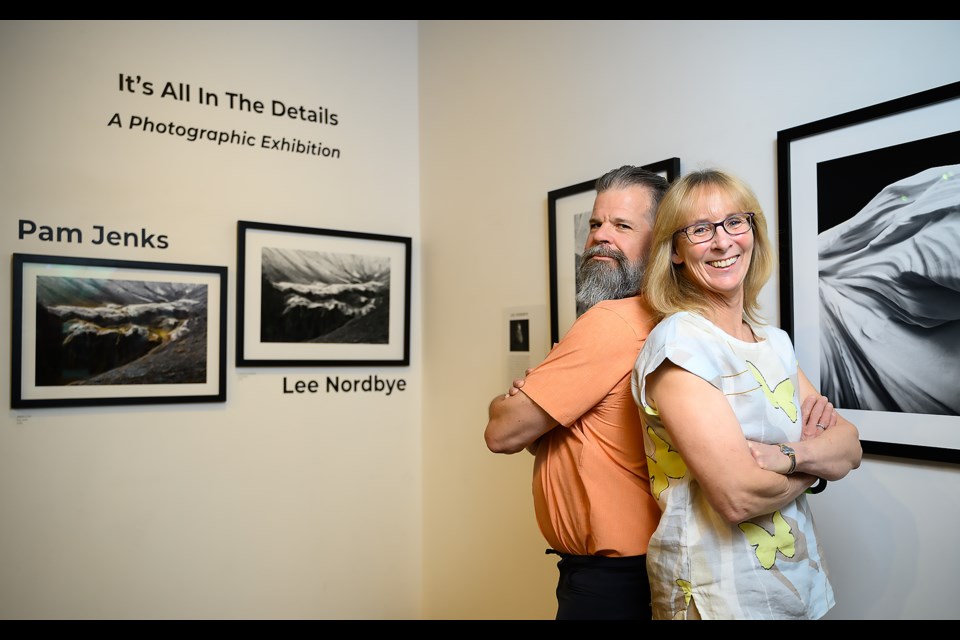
<point x="769" y="567"/>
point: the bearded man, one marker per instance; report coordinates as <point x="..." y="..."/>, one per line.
<point x="576" y="413"/>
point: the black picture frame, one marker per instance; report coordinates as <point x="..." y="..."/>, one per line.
<point x="833" y="175"/>
<point x="97" y="332"/>
<point x="321" y="297"/>
<point x="567" y="232"/>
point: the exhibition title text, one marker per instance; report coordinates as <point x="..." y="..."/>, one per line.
<point x="231" y="100"/>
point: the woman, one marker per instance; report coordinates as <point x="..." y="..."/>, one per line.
<point x="729" y="452"/>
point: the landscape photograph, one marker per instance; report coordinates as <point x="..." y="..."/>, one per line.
<point x="324" y="297"/>
<point x="98" y="331"/>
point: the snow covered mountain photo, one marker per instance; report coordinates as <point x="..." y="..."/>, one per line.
<point x="93" y="331"/>
<point x="324" y="297"/>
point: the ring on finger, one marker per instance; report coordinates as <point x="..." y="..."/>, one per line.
<point x="821" y="426"/>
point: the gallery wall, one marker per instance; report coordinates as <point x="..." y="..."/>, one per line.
<point x="291" y="498"/>
<point x="361" y="505"/>
<point x="512" y="110"/>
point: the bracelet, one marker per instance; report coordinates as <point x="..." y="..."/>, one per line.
<point x="817" y="488"/>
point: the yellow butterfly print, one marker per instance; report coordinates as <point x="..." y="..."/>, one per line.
<point x="665" y="463"/>
<point x="767" y="545"/>
<point x="780" y="397"/>
<point x="687" y="593"/>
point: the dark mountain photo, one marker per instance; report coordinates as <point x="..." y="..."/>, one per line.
<point x="118" y="332"/>
<point x="323" y="297"/>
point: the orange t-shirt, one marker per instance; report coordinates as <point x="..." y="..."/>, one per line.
<point x="591" y="489"/>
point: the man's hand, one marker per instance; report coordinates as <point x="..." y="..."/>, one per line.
<point x="517" y="385"/>
<point x="515" y="422"/>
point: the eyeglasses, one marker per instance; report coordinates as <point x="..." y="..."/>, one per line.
<point x="735" y="225"/>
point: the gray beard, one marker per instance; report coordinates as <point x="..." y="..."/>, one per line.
<point x="599" y="281"/>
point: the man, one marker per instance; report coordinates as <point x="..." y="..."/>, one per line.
<point x="575" y="411"/>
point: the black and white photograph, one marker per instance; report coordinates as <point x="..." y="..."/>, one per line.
<point x="313" y="296"/>
<point x="569" y="210"/>
<point x="870" y="205"/>
<point x="520" y="335"/>
<point x="112" y="332"/>
<point x="321" y="297"/>
<point x="887" y="340"/>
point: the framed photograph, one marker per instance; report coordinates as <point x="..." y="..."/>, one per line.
<point x="321" y="297"/>
<point x="113" y="332"/>
<point x="869" y="205"/>
<point x="569" y="212"/>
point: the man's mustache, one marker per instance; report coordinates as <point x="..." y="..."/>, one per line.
<point x="604" y="251"/>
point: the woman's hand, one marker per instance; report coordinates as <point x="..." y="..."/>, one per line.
<point x="769" y="457"/>
<point x="818" y="416"/>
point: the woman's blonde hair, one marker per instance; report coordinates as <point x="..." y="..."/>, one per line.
<point x="666" y="285"/>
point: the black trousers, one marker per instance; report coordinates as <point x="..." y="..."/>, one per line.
<point x="602" y="588"/>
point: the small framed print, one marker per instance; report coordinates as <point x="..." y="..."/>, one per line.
<point x="321" y="297"/>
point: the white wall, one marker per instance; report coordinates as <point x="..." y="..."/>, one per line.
<point x="269" y="505"/>
<point x="511" y="110"/>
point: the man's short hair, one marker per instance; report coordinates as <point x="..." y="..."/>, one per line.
<point x="628" y="176"/>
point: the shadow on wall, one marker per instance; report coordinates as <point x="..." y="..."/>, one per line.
<point x="875" y="588"/>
